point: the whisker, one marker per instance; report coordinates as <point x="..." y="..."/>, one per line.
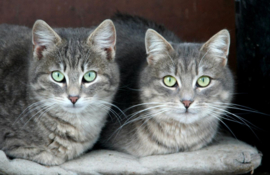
<point x="147" y="117"/>
<point x="231" y="106"/>
<point x="30" y="110"/>
<point x="225" y="126"/>
<point x="111" y="111"/>
<point x="133" y="89"/>
<point x="229" y="118"/>
<point x="42" y="108"/>
<point x="110" y="104"/>
<point x="142" y="117"/>
<point x="49" y="108"/>
<point x="141" y="105"/>
<point x="240" y="118"/>
<point x="146" y="109"/>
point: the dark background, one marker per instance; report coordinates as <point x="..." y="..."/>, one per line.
<point x="193" y="21"/>
<point x="253" y="73"/>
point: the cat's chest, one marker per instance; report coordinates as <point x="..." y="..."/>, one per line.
<point x="72" y="133"/>
<point x="77" y="128"/>
<point x="175" y="134"/>
<point x="71" y="138"/>
<point x="67" y="140"/>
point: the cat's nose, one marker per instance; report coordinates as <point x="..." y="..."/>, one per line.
<point x="187" y="103"/>
<point x="73" y="99"/>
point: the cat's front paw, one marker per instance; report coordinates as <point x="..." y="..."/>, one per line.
<point x="58" y="146"/>
<point x="247" y="157"/>
<point x="242" y="160"/>
<point x="49" y="159"/>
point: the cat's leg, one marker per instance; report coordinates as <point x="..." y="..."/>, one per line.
<point x="36" y="154"/>
<point x="48" y="158"/>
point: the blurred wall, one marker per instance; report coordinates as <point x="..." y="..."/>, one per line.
<point x="191" y="20"/>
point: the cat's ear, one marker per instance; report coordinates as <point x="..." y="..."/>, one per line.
<point x="218" y="46"/>
<point x="156" y="46"/>
<point x="43" y="38"/>
<point x="104" y="39"/>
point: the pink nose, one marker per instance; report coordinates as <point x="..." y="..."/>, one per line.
<point x="187" y="103"/>
<point x="73" y="99"/>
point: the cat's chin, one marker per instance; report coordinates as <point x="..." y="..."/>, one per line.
<point x="188" y="118"/>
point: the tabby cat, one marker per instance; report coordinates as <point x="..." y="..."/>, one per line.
<point x="173" y="93"/>
<point x="56" y="89"/>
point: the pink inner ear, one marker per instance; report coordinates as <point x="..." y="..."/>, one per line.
<point x="38" y="50"/>
<point x="150" y="59"/>
<point x="108" y="53"/>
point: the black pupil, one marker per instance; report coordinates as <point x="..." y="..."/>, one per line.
<point x="202" y="79"/>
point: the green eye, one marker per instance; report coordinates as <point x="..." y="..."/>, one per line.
<point x="203" y="81"/>
<point x="58" y="76"/>
<point x="89" y="76"/>
<point x="169" y="81"/>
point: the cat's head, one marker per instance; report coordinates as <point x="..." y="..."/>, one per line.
<point x="73" y="70"/>
<point x="186" y="82"/>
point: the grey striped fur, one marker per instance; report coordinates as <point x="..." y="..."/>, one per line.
<point x="156" y="121"/>
<point x="37" y="120"/>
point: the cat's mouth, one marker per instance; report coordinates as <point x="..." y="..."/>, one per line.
<point x="186" y="112"/>
<point x="73" y="108"/>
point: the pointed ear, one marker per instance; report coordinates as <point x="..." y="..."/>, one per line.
<point x="218" y="46"/>
<point x="104" y="39"/>
<point x="43" y="37"/>
<point x="156" y="46"/>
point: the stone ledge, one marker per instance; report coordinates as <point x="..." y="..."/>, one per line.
<point x="225" y="156"/>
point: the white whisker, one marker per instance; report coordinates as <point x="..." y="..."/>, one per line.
<point x="42" y="108"/>
<point x="240" y="118"/>
<point x="30" y="108"/>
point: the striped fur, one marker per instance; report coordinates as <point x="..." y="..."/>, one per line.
<point x="156" y="121"/>
<point x="37" y="120"/>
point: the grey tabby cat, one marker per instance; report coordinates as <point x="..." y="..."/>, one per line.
<point x="56" y="89"/>
<point x="173" y="93"/>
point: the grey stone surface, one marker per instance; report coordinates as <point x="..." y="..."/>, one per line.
<point x="225" y="156"/>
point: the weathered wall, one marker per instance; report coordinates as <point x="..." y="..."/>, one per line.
<point x="192" y="20"/>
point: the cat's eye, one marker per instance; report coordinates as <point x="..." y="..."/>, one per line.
<point x="89" y="76"/>
<point x="203" y="81"/>
<point x="58" y="76"/>
<point x="169" y="81"/>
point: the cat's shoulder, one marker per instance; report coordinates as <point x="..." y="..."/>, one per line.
<point x="13" y="31"/>
<point x="12" y="36"/>
<point x="136" y="21"/>
<point x="15" y="44"/>
<point x="135" y="24"/>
